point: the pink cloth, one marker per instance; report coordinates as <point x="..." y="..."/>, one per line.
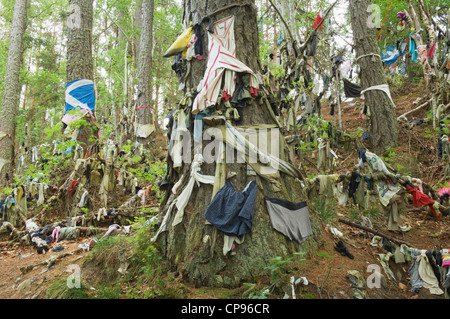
<point x="444" y="190"/>
<point x="55" y="233"/>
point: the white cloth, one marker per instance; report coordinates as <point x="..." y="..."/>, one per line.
<point x="386" y="192"/>
<point x="165" y="223"/>
<point x="181" y="130"/>
<point x="183" y="199"/>
<point x="228" y="242"/>
<point x="221" y="60"/>
<point x="427" y="275"/>
<point x="42" y="187"/>
<point x="376" y="163"/>
<point x="381" y="87"/>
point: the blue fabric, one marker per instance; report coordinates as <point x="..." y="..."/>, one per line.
<point x="198" y="124"/>
<point x="231" y="211"/>
<point x="84" y="94"/>
<point x="391" y="55"/>
<point x="413" y="47"/>
<point x="403" y="69"/>
<point x="280" y="40"/>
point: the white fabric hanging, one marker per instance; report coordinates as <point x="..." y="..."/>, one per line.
<point x="183" y="199"/>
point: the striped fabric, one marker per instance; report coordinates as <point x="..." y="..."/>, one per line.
<point x="221" y="62"/>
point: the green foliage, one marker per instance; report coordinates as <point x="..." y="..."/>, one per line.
<point x="60" y="290"/>
<point x="325" y="208"/>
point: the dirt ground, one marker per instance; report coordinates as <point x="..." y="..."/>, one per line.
<point x="326" y="272"/>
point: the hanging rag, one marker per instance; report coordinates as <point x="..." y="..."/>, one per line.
<point x="232" y="211"/>
<point x="318" y="22"/>
<point x="312" y="44"/>
<point x="386" y="192"/>
<point x="427" y="275"/>
<point x="198" y="45"/>
<point x="221" y="61"/>
<point x="80" y="94"/>
<point x="375" y="163"/>
<point x="431" y="51"/>
<point x="196" y="178"/>
<point x="351" y="90"/>
<point x="421" y="199"/>
<point x="290" y="219"/>
<point x="391" y="55"/>
<point x="412" y="47"/>
<point x="180" y="43"/>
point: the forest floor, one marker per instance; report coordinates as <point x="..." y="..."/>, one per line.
<point x="326" y="272"/>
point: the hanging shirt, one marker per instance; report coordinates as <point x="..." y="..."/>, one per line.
<point x="421" y="199"/>
<point x="221" y="63"/>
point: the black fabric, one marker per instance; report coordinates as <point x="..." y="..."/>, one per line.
<point x="312" y="45"/>
<point x="198" y="45"/>
<point x="241" y="95"/>
<point x="332" y="109"/>
<point x="354" y="183"/>
<point x="343" y="250"/>
<point x="180" y="67"/>
<point x="431" y="259"/>
<point x="351" y="90"/>
<point x="231" y="211"/>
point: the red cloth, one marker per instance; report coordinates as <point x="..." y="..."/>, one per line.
<point x="73" y="187"/>
<point x="253" y="91"/>
<point x="421" y="199"/>
<point x="431" y="52"/>
<point x="226" y="96"/>
<point x="318" y="20"/>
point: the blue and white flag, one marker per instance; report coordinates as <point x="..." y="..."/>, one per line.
<point x="80" y="94"/>
<point x="391" y="55"/>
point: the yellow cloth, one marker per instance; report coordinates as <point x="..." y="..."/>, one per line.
<point x="180" y="43"/>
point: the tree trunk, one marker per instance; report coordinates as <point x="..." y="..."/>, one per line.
<point x="80" y="63"/>
<point x="12" y="90"/>
<point x="144" y="101"/>
<point x="383" y="128"/>
<point x="194" y="248"/>
<point x="79" y="42"/>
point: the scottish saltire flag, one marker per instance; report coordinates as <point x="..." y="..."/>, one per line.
<point x="79" y="94"/>
<point x="390" y="56"/>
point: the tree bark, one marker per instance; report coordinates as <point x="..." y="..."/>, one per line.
<point x="383" y="128"/>
<point x="79" y="42"/>
<point x="193" y="248"/>
<point x="145" y="68"/>
<point x="12" y="90"/>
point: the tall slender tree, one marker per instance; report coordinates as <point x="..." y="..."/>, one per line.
<point x="144" y="100"/>
<point x="383" y="128"/>
<point x="79" y="41"/>
<point x="12" y="89"/>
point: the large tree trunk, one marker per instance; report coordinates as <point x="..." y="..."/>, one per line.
<point x="144" y="101"/>
<point x="193" y="248"/>
<point x="80" y="63"/>
<point x="79" y="42"/>
<point x="383" y="128"/>
<point x="12" y="89"/>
